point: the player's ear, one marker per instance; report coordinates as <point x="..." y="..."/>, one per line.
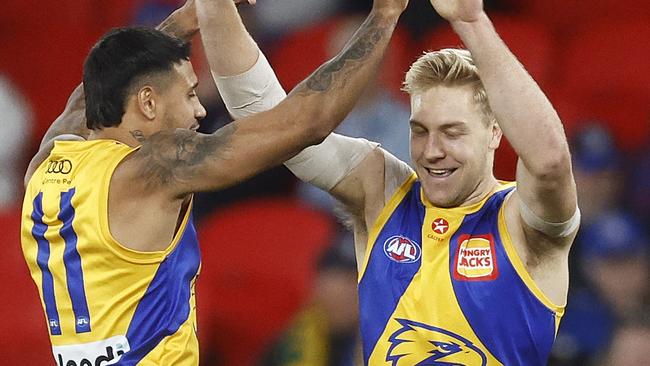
<point x="495" y="136"/>
<point x="147" y="102"/>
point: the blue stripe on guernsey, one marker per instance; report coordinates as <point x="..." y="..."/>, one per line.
<point x="165" y="305"/>
<point x="72" y="262"/>
<point x="42" y="258"/>
<point x="502" y="312"/>
<point x="385" y="278"/>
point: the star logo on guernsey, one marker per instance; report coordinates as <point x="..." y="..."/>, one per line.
<point x="401" y="249"/>
<point x="440" y="225"/>
<point x="416" y="343"/>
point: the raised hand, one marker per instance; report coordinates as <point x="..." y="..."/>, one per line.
<point x="392" y="6"/>
<point x="459" y="10"/>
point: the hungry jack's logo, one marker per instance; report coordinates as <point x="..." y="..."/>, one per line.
<point x="475" y="258"/>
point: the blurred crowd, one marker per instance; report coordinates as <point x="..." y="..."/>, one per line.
<point x="278" y="280"/>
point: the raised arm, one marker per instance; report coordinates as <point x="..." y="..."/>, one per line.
<point x="71" y="123"/>
<point x="245" y="79"/>
<point x="185" y="161"/>
<point x="346" y="167"/>
<point x="181" y="23"/>
<point x="545" y="182"/>
<point x="228" y="46"/>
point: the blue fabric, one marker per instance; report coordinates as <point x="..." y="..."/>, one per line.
<point x="385" y="281"/>
<point x="508" y="319"/>
<point x="42" y="258"/>
<point x="165" y="305"/>
<point x="72" y="262"/>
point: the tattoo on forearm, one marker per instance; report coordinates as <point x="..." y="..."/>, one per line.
<point x="179" y="155"/>
<point x="359" y="48"/>
<point x="138" y="135"/>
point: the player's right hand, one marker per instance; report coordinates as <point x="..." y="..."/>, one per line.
<point x="459" y="10"/>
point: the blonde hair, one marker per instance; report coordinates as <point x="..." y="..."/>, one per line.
<point x="447" y="67"/>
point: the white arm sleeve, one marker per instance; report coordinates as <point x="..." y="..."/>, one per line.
<point x="326" y="164"/>
<point x="395" y="174"/>
<point x="323" y="165"/>
<point x="256" y="90"/>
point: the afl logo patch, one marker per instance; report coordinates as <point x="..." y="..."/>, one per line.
<point x="59" y="166"/>
<point x="402" y="249"/>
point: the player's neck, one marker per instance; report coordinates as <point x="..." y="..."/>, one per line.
<point x="484" y="188"/>
<point x="115" y="133"/>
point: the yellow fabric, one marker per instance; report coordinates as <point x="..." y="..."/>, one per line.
<point x="428" y="318"/>
<point x="115" y="278"/>
<point x="439" y="308"/>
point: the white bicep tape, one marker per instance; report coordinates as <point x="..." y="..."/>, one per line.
<point x="552" y="229"/>
<point x="256" y="90"/>
<point x="326" y="164"/>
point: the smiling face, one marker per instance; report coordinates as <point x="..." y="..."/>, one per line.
<point x="452" y="145"/>
<point x="180" y="106"/>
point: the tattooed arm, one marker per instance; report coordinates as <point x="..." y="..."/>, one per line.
<point x="71" y="123"/>
<point x="182" y="23"/>
<point x="183" y="161"/>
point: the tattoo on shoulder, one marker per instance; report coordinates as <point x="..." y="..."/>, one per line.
<point x="180" y="155"/>
<point x="359" y="48"/>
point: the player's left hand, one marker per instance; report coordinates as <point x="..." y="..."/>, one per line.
<point x="186" y="15"/>
<point x="459" y="10"/>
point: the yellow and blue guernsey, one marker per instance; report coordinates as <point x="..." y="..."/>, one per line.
<point x="446" y="287"/>
<point x="105" y="304"/>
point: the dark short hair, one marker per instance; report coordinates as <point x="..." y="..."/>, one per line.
<point x="118" y="60"/>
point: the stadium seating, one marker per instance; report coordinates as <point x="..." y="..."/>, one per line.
<point x="298" y="54"/>
<point x="566" y="16"/>
<point x="32" y="32"/>
<point x="529" y="41"/>
<point x="605" y="74"/>
<point x="258" y="265"/>
<point x="23" y="339"/>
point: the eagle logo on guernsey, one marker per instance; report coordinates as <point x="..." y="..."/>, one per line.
<point x="475" y="258"/>
<point x="402" y="249"/>
<point x="421" y="344"/>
